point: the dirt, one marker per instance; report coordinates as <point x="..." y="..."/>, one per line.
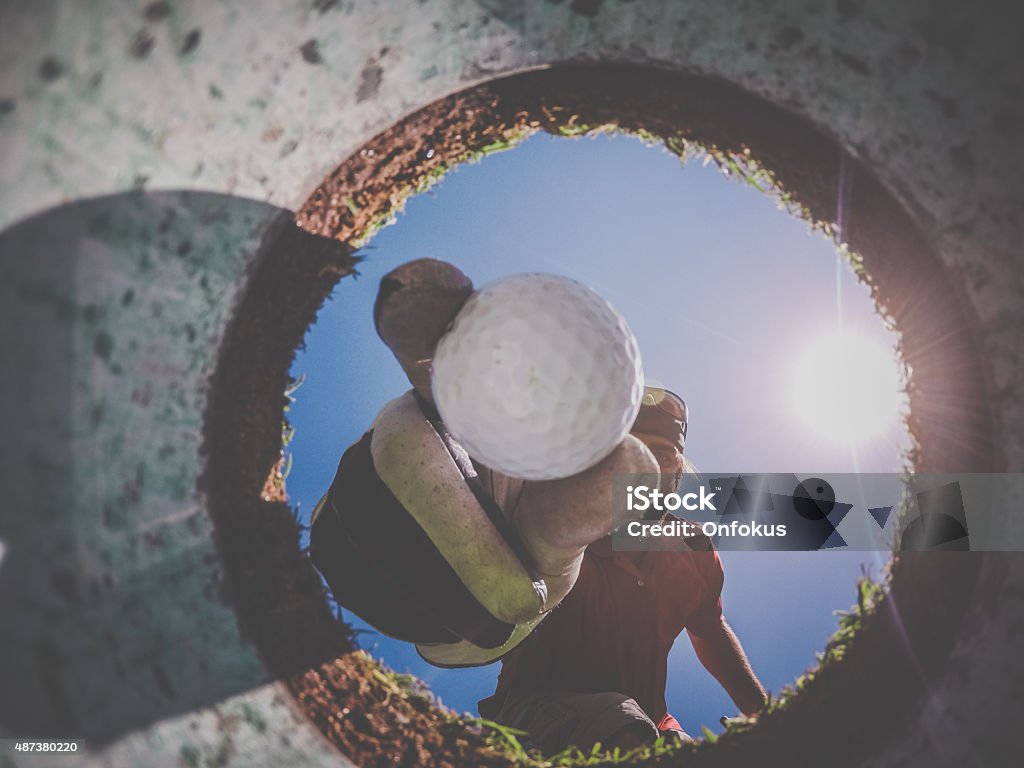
<point x="378" y="723"/>
<point x="272" y="585"/>
<point x="850" y="707"/>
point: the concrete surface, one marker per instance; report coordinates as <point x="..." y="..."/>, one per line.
<point x="109" y="587"/>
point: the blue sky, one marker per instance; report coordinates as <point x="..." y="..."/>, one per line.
<point x="723" y="291"/>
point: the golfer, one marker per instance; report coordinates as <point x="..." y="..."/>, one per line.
<point x="470" y="565"/>
<point x="596" y="669"/>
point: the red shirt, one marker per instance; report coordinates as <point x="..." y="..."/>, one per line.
<point x="614" y="630"/>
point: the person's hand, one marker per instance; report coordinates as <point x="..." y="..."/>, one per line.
<point x="520" y="569"/>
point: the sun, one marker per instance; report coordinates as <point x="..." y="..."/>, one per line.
<point x="846" y="387"/>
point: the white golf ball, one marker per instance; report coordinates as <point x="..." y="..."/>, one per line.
<point x="539" y="377"/>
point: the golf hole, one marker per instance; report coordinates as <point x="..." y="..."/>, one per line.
<point x="286" y="616"/>
<point x="642" y="227"/>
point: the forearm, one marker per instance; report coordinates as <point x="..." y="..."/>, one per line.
<point x="722" y="655"/>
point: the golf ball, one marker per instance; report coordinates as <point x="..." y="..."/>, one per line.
<point x="539" y="377"/>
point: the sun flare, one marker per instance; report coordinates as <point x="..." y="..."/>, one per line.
<point x="847" y="388"/>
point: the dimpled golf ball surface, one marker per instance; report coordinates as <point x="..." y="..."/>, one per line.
<point x="539" y="377"/>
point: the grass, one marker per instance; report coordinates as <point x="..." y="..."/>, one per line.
<point x="741" y="166"/>
<point x="509" y="740"/>
<point x="274" y="488"/>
